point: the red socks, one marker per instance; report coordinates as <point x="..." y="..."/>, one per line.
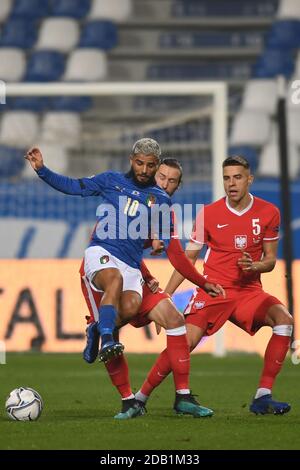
<point x="175" y="358"/>
<point x="274" y="358"/>
<point x="119" y="375"/>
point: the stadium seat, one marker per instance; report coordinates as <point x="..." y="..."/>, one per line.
<point x="250" y="128"/>
<point x="260" y="95"/>
<point x="70" y="8"/>
<point x="19" y="129"/>
<point x="12" y="64"/>
<point x="11" y="161"/>
<point x="115" y="10"/>
<point x="5" y="9"/>
<point x="29" y="103"/>
<point x="56" y="156"/>
<point x="58" y="34"/>
<point x="223" y="8"/>
<point x="77" y="104"/>
<point x="100" y="34"/>
<point x="86" y="65"/>
<point x="274" y="62"/>
<point x="288" y="9"/>
<point x="284" y="34"/>
<point x="269" y="162"/>
<point x="293" y="120"/>
<point x="30" y="9"/>
<point x="45" y="66"/>
<point x="18" y="33"/>
<point x="62" y="127"/>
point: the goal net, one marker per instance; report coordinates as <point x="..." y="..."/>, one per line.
<point x="90" y="128"/>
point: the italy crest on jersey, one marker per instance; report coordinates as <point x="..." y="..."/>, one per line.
<point x="151" y="200"/>
<point x="240" y="242"/>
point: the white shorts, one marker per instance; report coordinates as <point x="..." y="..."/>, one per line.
<point x="97" y="258"/>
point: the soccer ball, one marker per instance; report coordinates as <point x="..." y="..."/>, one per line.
<point x="24" y="404"/>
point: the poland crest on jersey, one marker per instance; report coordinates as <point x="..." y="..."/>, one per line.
<point x="240" y="242"/>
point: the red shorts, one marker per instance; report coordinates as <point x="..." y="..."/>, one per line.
<point x="245" y="307"/>
<point x="149" y="301"/>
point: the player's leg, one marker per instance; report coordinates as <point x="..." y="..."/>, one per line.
<point x="254" y="310"/>
<point x="281" y="322"/>
<point x="92" y="299"/>
<point x="174" y="358"/>
<point x="117" y="367"/>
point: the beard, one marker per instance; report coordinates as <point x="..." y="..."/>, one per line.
<point x="150" y="182"/>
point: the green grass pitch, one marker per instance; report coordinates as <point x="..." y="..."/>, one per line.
<point x="80" y="403"/>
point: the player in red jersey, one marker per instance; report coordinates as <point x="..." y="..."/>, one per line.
<point x="241" y="233"/>
<point x="156" y="306"/>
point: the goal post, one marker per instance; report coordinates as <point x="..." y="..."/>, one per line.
<point x="217" y="109"/>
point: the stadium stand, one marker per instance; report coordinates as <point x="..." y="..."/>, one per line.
<point x="247" y="43"/>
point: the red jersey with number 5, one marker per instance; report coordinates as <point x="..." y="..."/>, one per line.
<point x="227" y="233"/>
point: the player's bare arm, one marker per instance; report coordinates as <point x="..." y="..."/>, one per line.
<point x="35" y="158"/>
<point x="265" y="265"/>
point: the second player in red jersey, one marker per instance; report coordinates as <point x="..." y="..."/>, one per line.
<point x="241" y="234"/>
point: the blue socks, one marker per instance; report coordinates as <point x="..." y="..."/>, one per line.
<point x="107" y="322"/>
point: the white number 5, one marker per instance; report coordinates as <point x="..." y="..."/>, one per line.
<point x="256" y="226"/>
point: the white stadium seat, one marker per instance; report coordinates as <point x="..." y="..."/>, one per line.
<point x="269" y="165"/>
<point x="260" y="95"/>
<point x="61" y="128"/>
<point x="115" y="10"/>
<point x="288" y="9"/>
<point x="12" y="64"/>
<point x="19" y="129"/>
<point x="46" y="240"/>
<point x="86" y="65"/>
<point x="59" y="34"/>
<point x="56" y="156"/>
<point x="250" y="128"/>
<point x="5" y="8"/>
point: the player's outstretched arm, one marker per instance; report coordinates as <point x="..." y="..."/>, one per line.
<point x="83" y="187"/>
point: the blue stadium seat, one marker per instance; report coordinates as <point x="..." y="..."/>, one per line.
<point x="11" y="161"/>
<point x="224" y="8"/>
<point x="18" y="33"/>
<point x="204" y="70"/>
<point x="284" y="34"/>
<point x="245" y="151"/>
<point x="45" y="66"/>
<point x="77" y="104"/>
<point x="70" y="8"/>
<point x="30" y="9"/>
<point x="29" y="103"/>
<point x="101" y="34"/>
<point x="274" y="62"/>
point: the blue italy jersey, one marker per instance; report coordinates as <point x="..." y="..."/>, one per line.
<point x="128" y="213"/>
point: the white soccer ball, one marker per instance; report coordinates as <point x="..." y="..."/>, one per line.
<point x="24" y="404"/>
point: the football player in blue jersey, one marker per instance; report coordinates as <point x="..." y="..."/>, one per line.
<point x="113" y="257"/>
